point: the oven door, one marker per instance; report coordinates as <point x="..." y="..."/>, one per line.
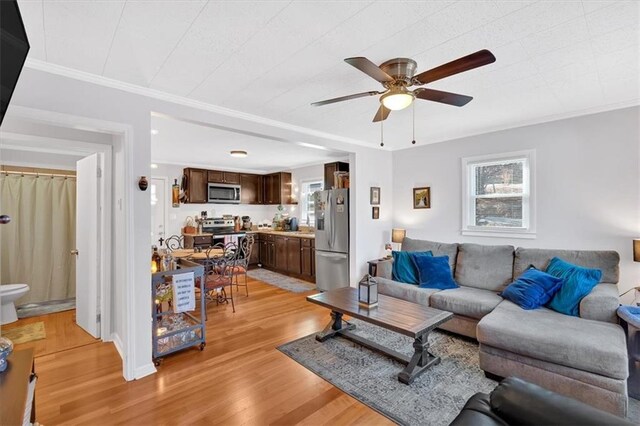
<point x="224" y="194"/>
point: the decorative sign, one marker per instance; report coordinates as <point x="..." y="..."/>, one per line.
<point x="184" y="294"/>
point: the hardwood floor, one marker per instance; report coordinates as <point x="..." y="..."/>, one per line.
<point x="240" y="378"/>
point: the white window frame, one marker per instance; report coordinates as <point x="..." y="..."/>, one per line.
<point x="528" y="196"/>
<point x="304" y="201"/>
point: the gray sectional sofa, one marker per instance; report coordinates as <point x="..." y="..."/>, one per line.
<point x="583" y="357"/>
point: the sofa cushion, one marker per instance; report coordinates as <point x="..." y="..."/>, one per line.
<point x="543" y="334"/>
<point x="410" y="293"/>
<point x="467" y="301"/>
<point x="484" y="267"/>
<point x="606" y="261"/>
<point x="434" y="272"/>
<point x="437" y="249"/>
<point x="404" y="270"/>
<point x="577" y="283"/>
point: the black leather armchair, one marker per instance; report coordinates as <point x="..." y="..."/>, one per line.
<point x="516" y="402"/>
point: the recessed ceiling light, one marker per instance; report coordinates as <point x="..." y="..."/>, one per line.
<point x="154" y="132"/>
<point x="239" y="154"/>
<point x="154" y="166"/>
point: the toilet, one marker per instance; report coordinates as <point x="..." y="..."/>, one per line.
<point x="9" y="293"/>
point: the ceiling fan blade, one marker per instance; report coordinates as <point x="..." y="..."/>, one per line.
<point x="443" y="97"/>
<point x="466" y="63"/>
<point x="369" y="68"/>
<point x="382" y="114"/>
<point x="346" y="98"/>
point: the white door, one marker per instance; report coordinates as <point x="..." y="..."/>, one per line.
<point x="158" y="209"/>
<point x="87" y="243"/>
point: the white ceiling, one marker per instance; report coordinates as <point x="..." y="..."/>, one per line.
<point x="272" y="59"/>
<point x="196" y="145"/>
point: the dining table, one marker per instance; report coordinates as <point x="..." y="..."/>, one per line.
<point x="196" y="255"/>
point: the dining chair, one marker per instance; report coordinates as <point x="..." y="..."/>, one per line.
<point x="242" y="262"/>
<point x="174" y="242"/>
<point x="218" y="272"/>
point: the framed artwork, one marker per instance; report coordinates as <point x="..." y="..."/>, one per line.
<point x="422" y="198"/>
<point x="374" y="195"/>
<point x="375" y="212"/>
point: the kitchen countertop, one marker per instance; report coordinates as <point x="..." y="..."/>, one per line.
<point x="198" y="234"/>
<point x="260" y="231"/>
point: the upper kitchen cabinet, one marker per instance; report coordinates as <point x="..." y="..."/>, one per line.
<point x="277" y="188"/>
<point x="330" y="169"/>
<point x="196" y="188"/>
<point x="217" y="176"/>
<point x="251" y="189"/>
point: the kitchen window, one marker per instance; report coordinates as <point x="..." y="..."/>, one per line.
<point x="498" y="198"/>
<point x="307" y="205"/>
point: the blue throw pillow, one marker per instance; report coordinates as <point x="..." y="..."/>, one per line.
<point x="577" y="283"/>
<point x="434" y="272"/>
<point x="532" y="289"/>
<point x="403" y="269"/>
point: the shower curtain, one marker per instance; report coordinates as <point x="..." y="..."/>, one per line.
<point x="35" y="246"/>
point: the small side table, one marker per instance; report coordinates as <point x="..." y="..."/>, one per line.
<point x="373" y="265"/>
<point x="630" y="321"/>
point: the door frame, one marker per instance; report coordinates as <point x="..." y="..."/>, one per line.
<point x="122" y="134"/>
<point x="165" y="189"/>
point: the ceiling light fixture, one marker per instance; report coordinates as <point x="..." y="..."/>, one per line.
<point x="238" y="153"/>
<point x="154" y="132"/>
<point x="397" y="99"/>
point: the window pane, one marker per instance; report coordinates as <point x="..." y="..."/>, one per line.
<point x="499" y="178"/>
<point x="499" y="212"/>
<point x="307" y="204"/>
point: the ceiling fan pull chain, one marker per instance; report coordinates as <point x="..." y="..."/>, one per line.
<point x="414" y="124"/>
<point x="381" y="129"/>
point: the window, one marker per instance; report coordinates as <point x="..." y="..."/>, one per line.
<point x="307" y="202"/>
<point x="498" y="196"/>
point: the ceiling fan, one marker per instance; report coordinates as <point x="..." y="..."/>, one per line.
<point x="397" y="75"/>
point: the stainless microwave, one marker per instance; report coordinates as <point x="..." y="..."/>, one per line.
<point x="221" y="193"/>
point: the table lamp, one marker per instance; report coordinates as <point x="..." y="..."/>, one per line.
<point x="397" y="235"/>
<point x="636" y="250"/>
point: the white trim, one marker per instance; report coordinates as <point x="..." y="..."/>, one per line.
<point x="528" y="195"/>
<point x="117" y="342"/>
<point x="39" y="65"/>
<point x="144" y="370"/>
<point x="166" y="188"/>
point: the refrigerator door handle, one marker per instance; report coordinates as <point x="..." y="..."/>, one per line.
<point x="331" y="218"/>
<point x="331" y="254"/>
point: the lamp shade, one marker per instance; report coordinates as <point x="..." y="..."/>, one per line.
<point x="636" y="250"/>
<point x="397" y="235"/>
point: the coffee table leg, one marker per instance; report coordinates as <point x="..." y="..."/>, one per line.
<point x="334" y="327"/>
<point x="420" y="361"/>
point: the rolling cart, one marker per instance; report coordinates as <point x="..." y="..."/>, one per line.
<point x="173" y="331"/>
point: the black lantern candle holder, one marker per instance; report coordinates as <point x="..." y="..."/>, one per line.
<point x="368" y="292"/>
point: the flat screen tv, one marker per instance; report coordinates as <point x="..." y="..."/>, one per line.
<point x="14" y="47"/>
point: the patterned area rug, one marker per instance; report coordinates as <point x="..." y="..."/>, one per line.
<point x="434" y="398"/>
<point x="25" y="333"/>
<point x="44" y="308"/>
<point x="287" y="283"/>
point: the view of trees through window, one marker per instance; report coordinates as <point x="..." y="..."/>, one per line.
<point x="308" y="206"/>
<point x="499" y="194"/>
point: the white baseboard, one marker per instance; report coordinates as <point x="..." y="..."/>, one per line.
<point x="117" y="342"/>
<point x="144" y="371"/>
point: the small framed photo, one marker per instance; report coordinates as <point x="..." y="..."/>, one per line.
<point x="375" y="212"/>
<point x="374" y="195"/>
<point x="422" y="198"/>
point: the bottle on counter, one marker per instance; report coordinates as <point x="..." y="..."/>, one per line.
<point x="156" y="261"/>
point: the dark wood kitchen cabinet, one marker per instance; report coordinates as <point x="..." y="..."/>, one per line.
<point x="307" y="257"/>
<point x="196" y="188"/>
<point x="254" y="258"/>
<point x="330" y="168"/>
<point x="277" y="188"/>
<point x="294" y="249"/>
<point x="251" y="189"/>
<point x="268" y="251"/>
<point x="281" y="253"/>
<point x="217" y="176"/>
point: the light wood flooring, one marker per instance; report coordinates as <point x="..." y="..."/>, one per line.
<point x="240" y="378"/>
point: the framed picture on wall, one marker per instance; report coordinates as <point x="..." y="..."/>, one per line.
<point x="375" y="212"/>
<point x="422" y="198"/>
<point x="374" y="195"/>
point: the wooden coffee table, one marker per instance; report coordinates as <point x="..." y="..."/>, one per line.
<point x="410" y="319"/>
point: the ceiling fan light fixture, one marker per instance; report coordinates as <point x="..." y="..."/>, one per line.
<point x="396" y="100"/>
<point x="238" y="153"/>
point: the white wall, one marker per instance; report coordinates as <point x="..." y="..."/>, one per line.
<point x="45" y="160"/>
<point x="588" y="185"/>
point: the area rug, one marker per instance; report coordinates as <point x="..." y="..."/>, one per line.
<point x="25" y="333"/>
<point x="44" y="308"/>
<point x="287" y="283"/>
<point x="434" y="398"/>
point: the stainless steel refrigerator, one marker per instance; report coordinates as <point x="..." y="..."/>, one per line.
<point x="332" y="238"/>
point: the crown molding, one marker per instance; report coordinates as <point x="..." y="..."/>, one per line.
<point x="38" y="65"/>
